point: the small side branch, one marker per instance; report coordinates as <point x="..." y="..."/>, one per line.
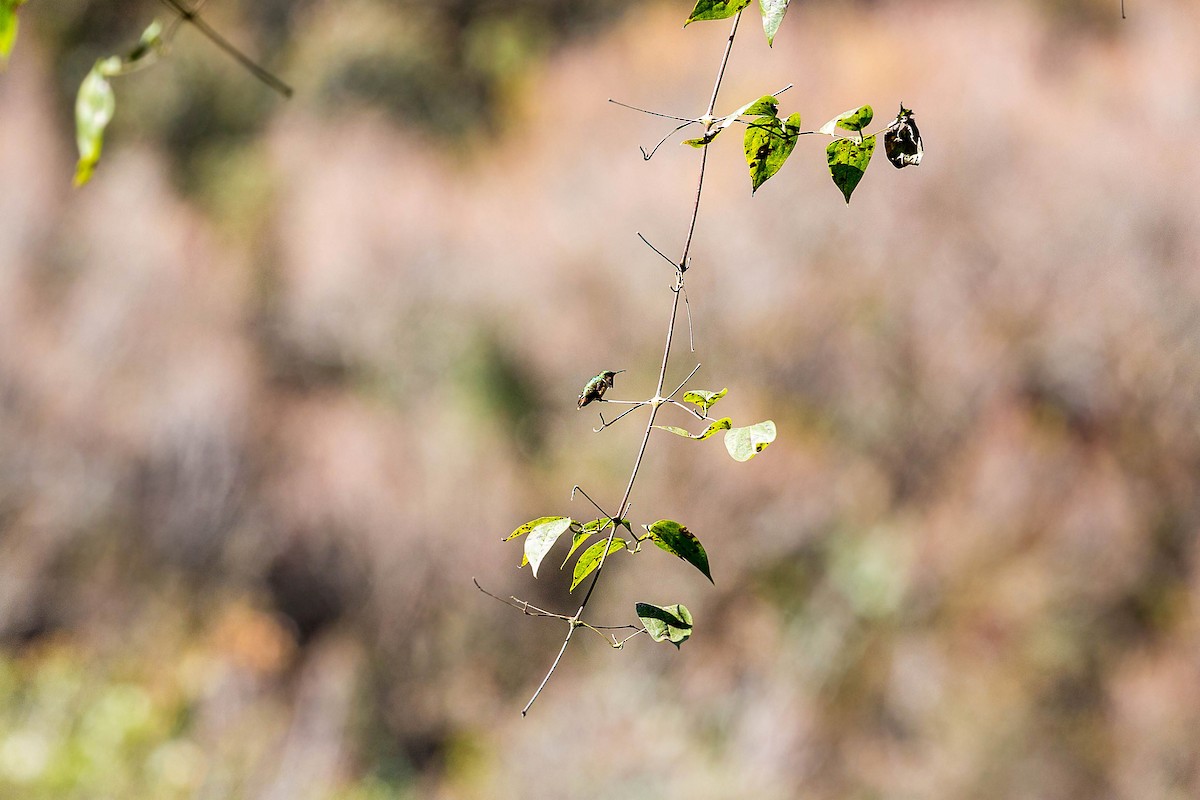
<point x="609" y="423"/>
<point x="250" y="65"/>
<point x="685" y="380"/>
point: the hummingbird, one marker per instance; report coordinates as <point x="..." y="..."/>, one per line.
<point x="597" y="386"/>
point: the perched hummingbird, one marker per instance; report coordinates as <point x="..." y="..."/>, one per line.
<point x="597" y="386"/>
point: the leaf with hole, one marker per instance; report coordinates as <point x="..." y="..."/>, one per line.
<point x="848" y="162"/>
<point x="679" y="541"/>
<point x="768" y="143"/>
<point x="767" y="105"/>
<point x="542" y="538"/>
<point x="772" y="16"/>
<point x="853" y="120"/>
<point x="715" y="9"/>
<point x="591" y="558"/>
<point x="902" y="140"/>
<point x="704" y="399"/>
<point x="666" y="623"/>
<point x="745" y="443"/>
<point x="722" y="424"/>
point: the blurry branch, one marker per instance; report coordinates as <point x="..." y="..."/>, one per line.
<point x="192" y="16"/>
<point x="575" y="620"/>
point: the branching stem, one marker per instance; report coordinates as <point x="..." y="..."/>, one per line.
<point x="676" y="290"/>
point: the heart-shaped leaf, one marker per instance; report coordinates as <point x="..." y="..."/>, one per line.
<point x="705" y="400"/>
<point x="853" y="120"/>
<point x="745" y="443"/>
<point x="772" y="15"/>
<point x="768" y="142"/>
<point x="848" y="162"/>
<point x="666" y="623"/>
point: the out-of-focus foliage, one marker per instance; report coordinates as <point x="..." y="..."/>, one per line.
<point x="8" y="28"/>
<point x="257" y="410"/>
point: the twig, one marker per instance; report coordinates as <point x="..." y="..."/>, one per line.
<point x="665" y="257"/>
<point x="608" y="424"/>
<point x="685" y="380"/>
<point x="652" y="113"/>
<point x="647" y="156"/>
<point x="662" y="375"/>
<point x="688" y="307"/>
<point x="254" y="68"/>
<point x="689" y="409"/>
<point x="603" y="513"/>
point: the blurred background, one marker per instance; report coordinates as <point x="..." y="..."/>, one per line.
<point x="277" y="382"/>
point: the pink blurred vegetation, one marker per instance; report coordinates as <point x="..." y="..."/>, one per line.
<point x="277" y="382"/>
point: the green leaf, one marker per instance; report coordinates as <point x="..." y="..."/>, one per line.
<point x="715" y="9"/>
<point x="772" y="14"/>
<point x="8" y="28"/>
<point x="766" y="105"/>
<point x="94" y="108"/>
<point x="768" y="143"/>
<point x="745" y="443"/>
<point x="542" y="538"/>
<point x="705" y="400"/>
<point x="853" y="120"/>
<point x="722" y="424"/>
<point x="579" y="538"/>
<point x="848" y="162"/>
<point x="666" y="623"/>
<point x="679" y="541"/>
<point x="591" y="558"/>
<point x="150" y="42"/>
<point x="528" y="526"/>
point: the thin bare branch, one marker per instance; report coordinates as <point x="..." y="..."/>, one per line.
<point x="250" y="65"/>
<point x="688" y="307"/>
<point x="664" y="256"/>
<point x="603" y="513"/>
<point x="685" y="380"/>
<point x="652" y="113"/>
<point x="647" y="156"/>
<point x="609" y="423"/>
<point x="688" y="409"/>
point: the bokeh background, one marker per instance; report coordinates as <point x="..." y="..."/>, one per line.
<point x="274" y="386"/>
